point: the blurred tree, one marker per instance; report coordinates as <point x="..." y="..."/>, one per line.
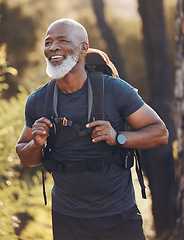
<point x="179" y="117"/>
<point x="109" y="37"/>
<point x="159" y="162"/>
<point x="19" y="33"/>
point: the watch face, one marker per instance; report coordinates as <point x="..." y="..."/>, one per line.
<point x="121" y="138"/>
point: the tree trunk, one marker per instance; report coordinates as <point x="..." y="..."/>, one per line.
<point x="179" y="117"/>
<point x="159" y="162"/>
<point x="108" y="35"/>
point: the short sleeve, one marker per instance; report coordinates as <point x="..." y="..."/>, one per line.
<point x="127" y="98"/>
<point x="30" y="117"/>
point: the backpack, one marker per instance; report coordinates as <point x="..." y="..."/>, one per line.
<point x="97" y="64"/>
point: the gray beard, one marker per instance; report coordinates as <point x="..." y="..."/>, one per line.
<point x="61" y="70"/>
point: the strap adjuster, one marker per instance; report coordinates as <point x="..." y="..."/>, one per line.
<point x="64" y="121"/>
<point x="67" y="167"/>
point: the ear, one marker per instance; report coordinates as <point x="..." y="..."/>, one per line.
<point x="84" y="47"/>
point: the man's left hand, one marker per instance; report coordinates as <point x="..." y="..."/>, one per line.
<point x="103" y="131"/>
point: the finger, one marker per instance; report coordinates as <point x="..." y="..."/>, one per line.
<point x="100" y="138"/>
<point x="40" y="139"/>
<point x="105" y="128"/>
<point x="40" y="125"/>
<point x="40" y="132"/>
<point x="40" y="129"/>
<point x="44" y="120"/>
<point x="96" y="123"/>
<point x="97" y="133"/>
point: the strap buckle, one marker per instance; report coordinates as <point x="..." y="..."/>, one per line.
<point x="64" y="121"/>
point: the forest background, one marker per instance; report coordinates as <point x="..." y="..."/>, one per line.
<point x="23" y="24"/>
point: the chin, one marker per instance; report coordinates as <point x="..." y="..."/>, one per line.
<point x="58" y="71"/>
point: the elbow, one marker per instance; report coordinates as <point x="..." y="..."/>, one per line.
<point x="25" y="163"/>
<point x="164" y="135"/>
<point x="27" y="156"/>
<point x="18" y="150"/>
<point x="165" y="138"/>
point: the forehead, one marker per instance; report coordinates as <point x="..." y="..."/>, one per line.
<point x="62" y="30"/>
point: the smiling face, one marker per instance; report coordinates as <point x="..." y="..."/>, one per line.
<point x="63" y="44"/>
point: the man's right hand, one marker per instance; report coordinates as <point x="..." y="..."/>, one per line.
<point x="30" y="144"/>
<point x="40" y="131"/>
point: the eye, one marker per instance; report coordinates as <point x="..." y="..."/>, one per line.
<point x="47" y="43"/>
<point x="64" y="41"/>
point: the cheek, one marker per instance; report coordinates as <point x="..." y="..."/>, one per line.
<point x="45" y="52"/>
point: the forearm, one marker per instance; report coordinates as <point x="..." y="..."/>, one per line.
<point x="29" y="153"/>
<point x="147" y="137"/>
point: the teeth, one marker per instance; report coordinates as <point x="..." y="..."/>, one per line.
<point x="56" y="57"/>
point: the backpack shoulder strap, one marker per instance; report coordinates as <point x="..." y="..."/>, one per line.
<point x="48" y="108"/>
<point x="97" y="87"/>
<point x="139" y="172"/>
<point x="49" y="111"/>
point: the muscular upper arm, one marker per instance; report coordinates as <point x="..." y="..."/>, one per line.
<point x="143" y="117"/>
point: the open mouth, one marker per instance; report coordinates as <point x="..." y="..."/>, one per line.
<point x="56" y="58"/>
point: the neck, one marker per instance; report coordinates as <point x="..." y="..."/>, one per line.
<point x="72" y="82"/>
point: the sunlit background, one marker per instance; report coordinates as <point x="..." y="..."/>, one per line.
<point x="23" y="25"/>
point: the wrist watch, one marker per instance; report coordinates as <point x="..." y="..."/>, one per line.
<point x="120" y="138"/>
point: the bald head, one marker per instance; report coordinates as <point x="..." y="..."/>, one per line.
<point x="72" y="28"/>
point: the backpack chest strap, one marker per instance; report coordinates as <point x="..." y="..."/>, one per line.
<point x="67" y="123"/>
<point x="95" y="103"/>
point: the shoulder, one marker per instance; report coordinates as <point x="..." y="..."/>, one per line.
<point x="118" y="82"/>
<point x="39" y="95"/>
<point x="125" y="96"/>
<point x="35" y="105"/>
<point x="118" y="85"/>
<point x="40" y="92"/>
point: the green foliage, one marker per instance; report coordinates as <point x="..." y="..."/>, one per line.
<point x="19" y="34"/>
<point x="20" y="189"/>
<point x="4" y="68"/>
<point x="11" y="121"/>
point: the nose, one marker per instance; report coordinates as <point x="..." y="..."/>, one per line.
<point x="55" y="46"/>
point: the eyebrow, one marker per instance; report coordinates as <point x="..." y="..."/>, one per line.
<point x="58" y="37"/>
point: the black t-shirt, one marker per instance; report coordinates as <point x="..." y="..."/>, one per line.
<point x="89" y="194"/>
